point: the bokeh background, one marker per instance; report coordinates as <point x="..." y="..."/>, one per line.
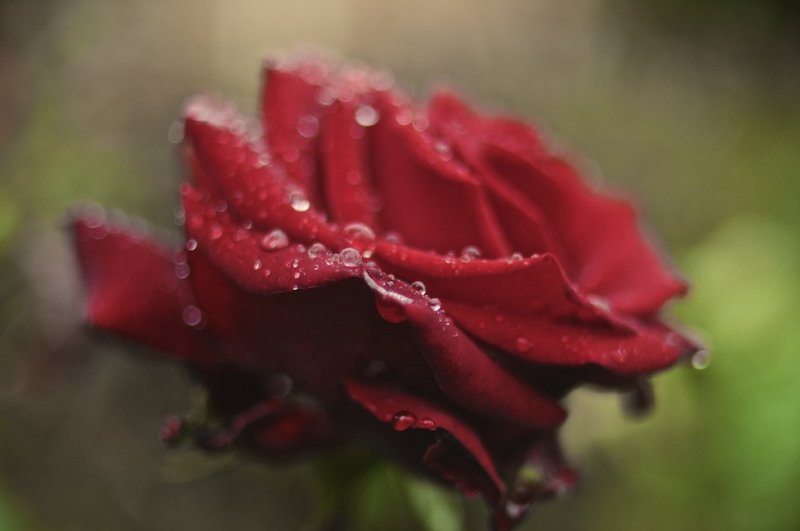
<point x="692" y="107"/>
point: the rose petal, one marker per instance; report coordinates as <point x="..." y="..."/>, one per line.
<point x="348" y="190"/>
<point x="266" y="262"/>
<point x="291" y="113"/>
<point x="406" y="411"/>
<point x="133" y="290"/>
<point x="606" y="254"/>
<point x="431" y="200"/>
<point x="257" y="189"/>
<point x="528" y="308"/>
<point x="464" y="372"/>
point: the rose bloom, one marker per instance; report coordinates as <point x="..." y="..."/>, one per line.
<point x="431" y="280"/>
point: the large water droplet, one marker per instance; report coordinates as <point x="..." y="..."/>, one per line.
<point x="435" y="304"/>
<point x="391" y="312"/>
<point x="350" y="257"/>
<point x="367" y="116"/>
<point x="403" y="420"/>
<point x="191" y="244"/>
<point x="361" y="237"/>
<point x="419" y="286"/>
<point x="274" y="240"/>
<point x="299" y="202"/>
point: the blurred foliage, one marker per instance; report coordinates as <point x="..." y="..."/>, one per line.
<point x="690" y="107"/>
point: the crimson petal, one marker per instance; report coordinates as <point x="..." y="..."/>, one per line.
<point x="133" y="290"/>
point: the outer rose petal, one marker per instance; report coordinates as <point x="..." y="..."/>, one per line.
<point x="133" y="291"/>
<point x="605" y="252"/>
<point x="527" y="307"/>
<point x="406" y="411"/>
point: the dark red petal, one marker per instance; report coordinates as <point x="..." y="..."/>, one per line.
<point x="266" y="262"/>
<point x="528" y="307"/>
<point x="132" y="290"/>
<point x="348" y="189"/>
<point x="433" y="201"/>
<point x="595" y="237"/>
<point x="291" y="113"/>
<point x="254" y="186"/>
<point x="464" y="372"/>
<point x="406" y="411"/>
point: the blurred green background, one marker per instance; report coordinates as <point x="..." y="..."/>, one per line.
<point x="690" y="107"/>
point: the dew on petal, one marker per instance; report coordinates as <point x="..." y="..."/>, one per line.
<point x="192" y="315"/>
<point x="435" y="304"/>
<point x="274" y="240"/>
<point x="391" y="312"/>
<point x="215" y="232"/>
<point x="308" y="126"/>
<point x="403" y="420"/>
<point x="426" y="423"/>
<point x="257" y="264"/>
<point x="182" y="270"/>
<point x="367" y="116"/>
<point x="470" y="253"/>
<point x="350" y="257"/>
<point x="316" y="249"/>
<point x="419" y="286"/>
<point x="191" y="244"/>
<point x="522" y="344"/>
<point x="299" y="202"/>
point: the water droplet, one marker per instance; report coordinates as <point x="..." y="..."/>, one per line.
<point x="326" y="96"/>
<point x="215" y="232"/>
<point x="516" y="257"/>
<point x="404" y="116"/>
<point x="419" y="286"/>
<point x="308" y="126"/>
<point x="515" y="510"/>
<point x="367" y="116"/>
<point x="264" y="159"/>
<point x="191" y="244"/>
<point x="435" y="304"/>
<point x="257" y="264"/>
<point x="316" y="250"/>
<point x="182" y="270"/>
<point x="426" y="423"/>
<point x="470" y="253"/>
<point x="393" y="237"/>
<point x="522" y="344"/>
<point x="192" y="315"/>
<point x="391" y="312"/>
<point x="403" y="420"/>
<point x="299" y="202"/>
<point x="279" y="385"/>
<point x="701" y="359"/>
<point x="361" y="237"/>
<point x="274" y="240"/>
<point x="350" y="257"/>
<point x="443" y="149"/>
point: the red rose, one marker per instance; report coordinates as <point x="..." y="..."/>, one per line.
<point x="433" y="278"/>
